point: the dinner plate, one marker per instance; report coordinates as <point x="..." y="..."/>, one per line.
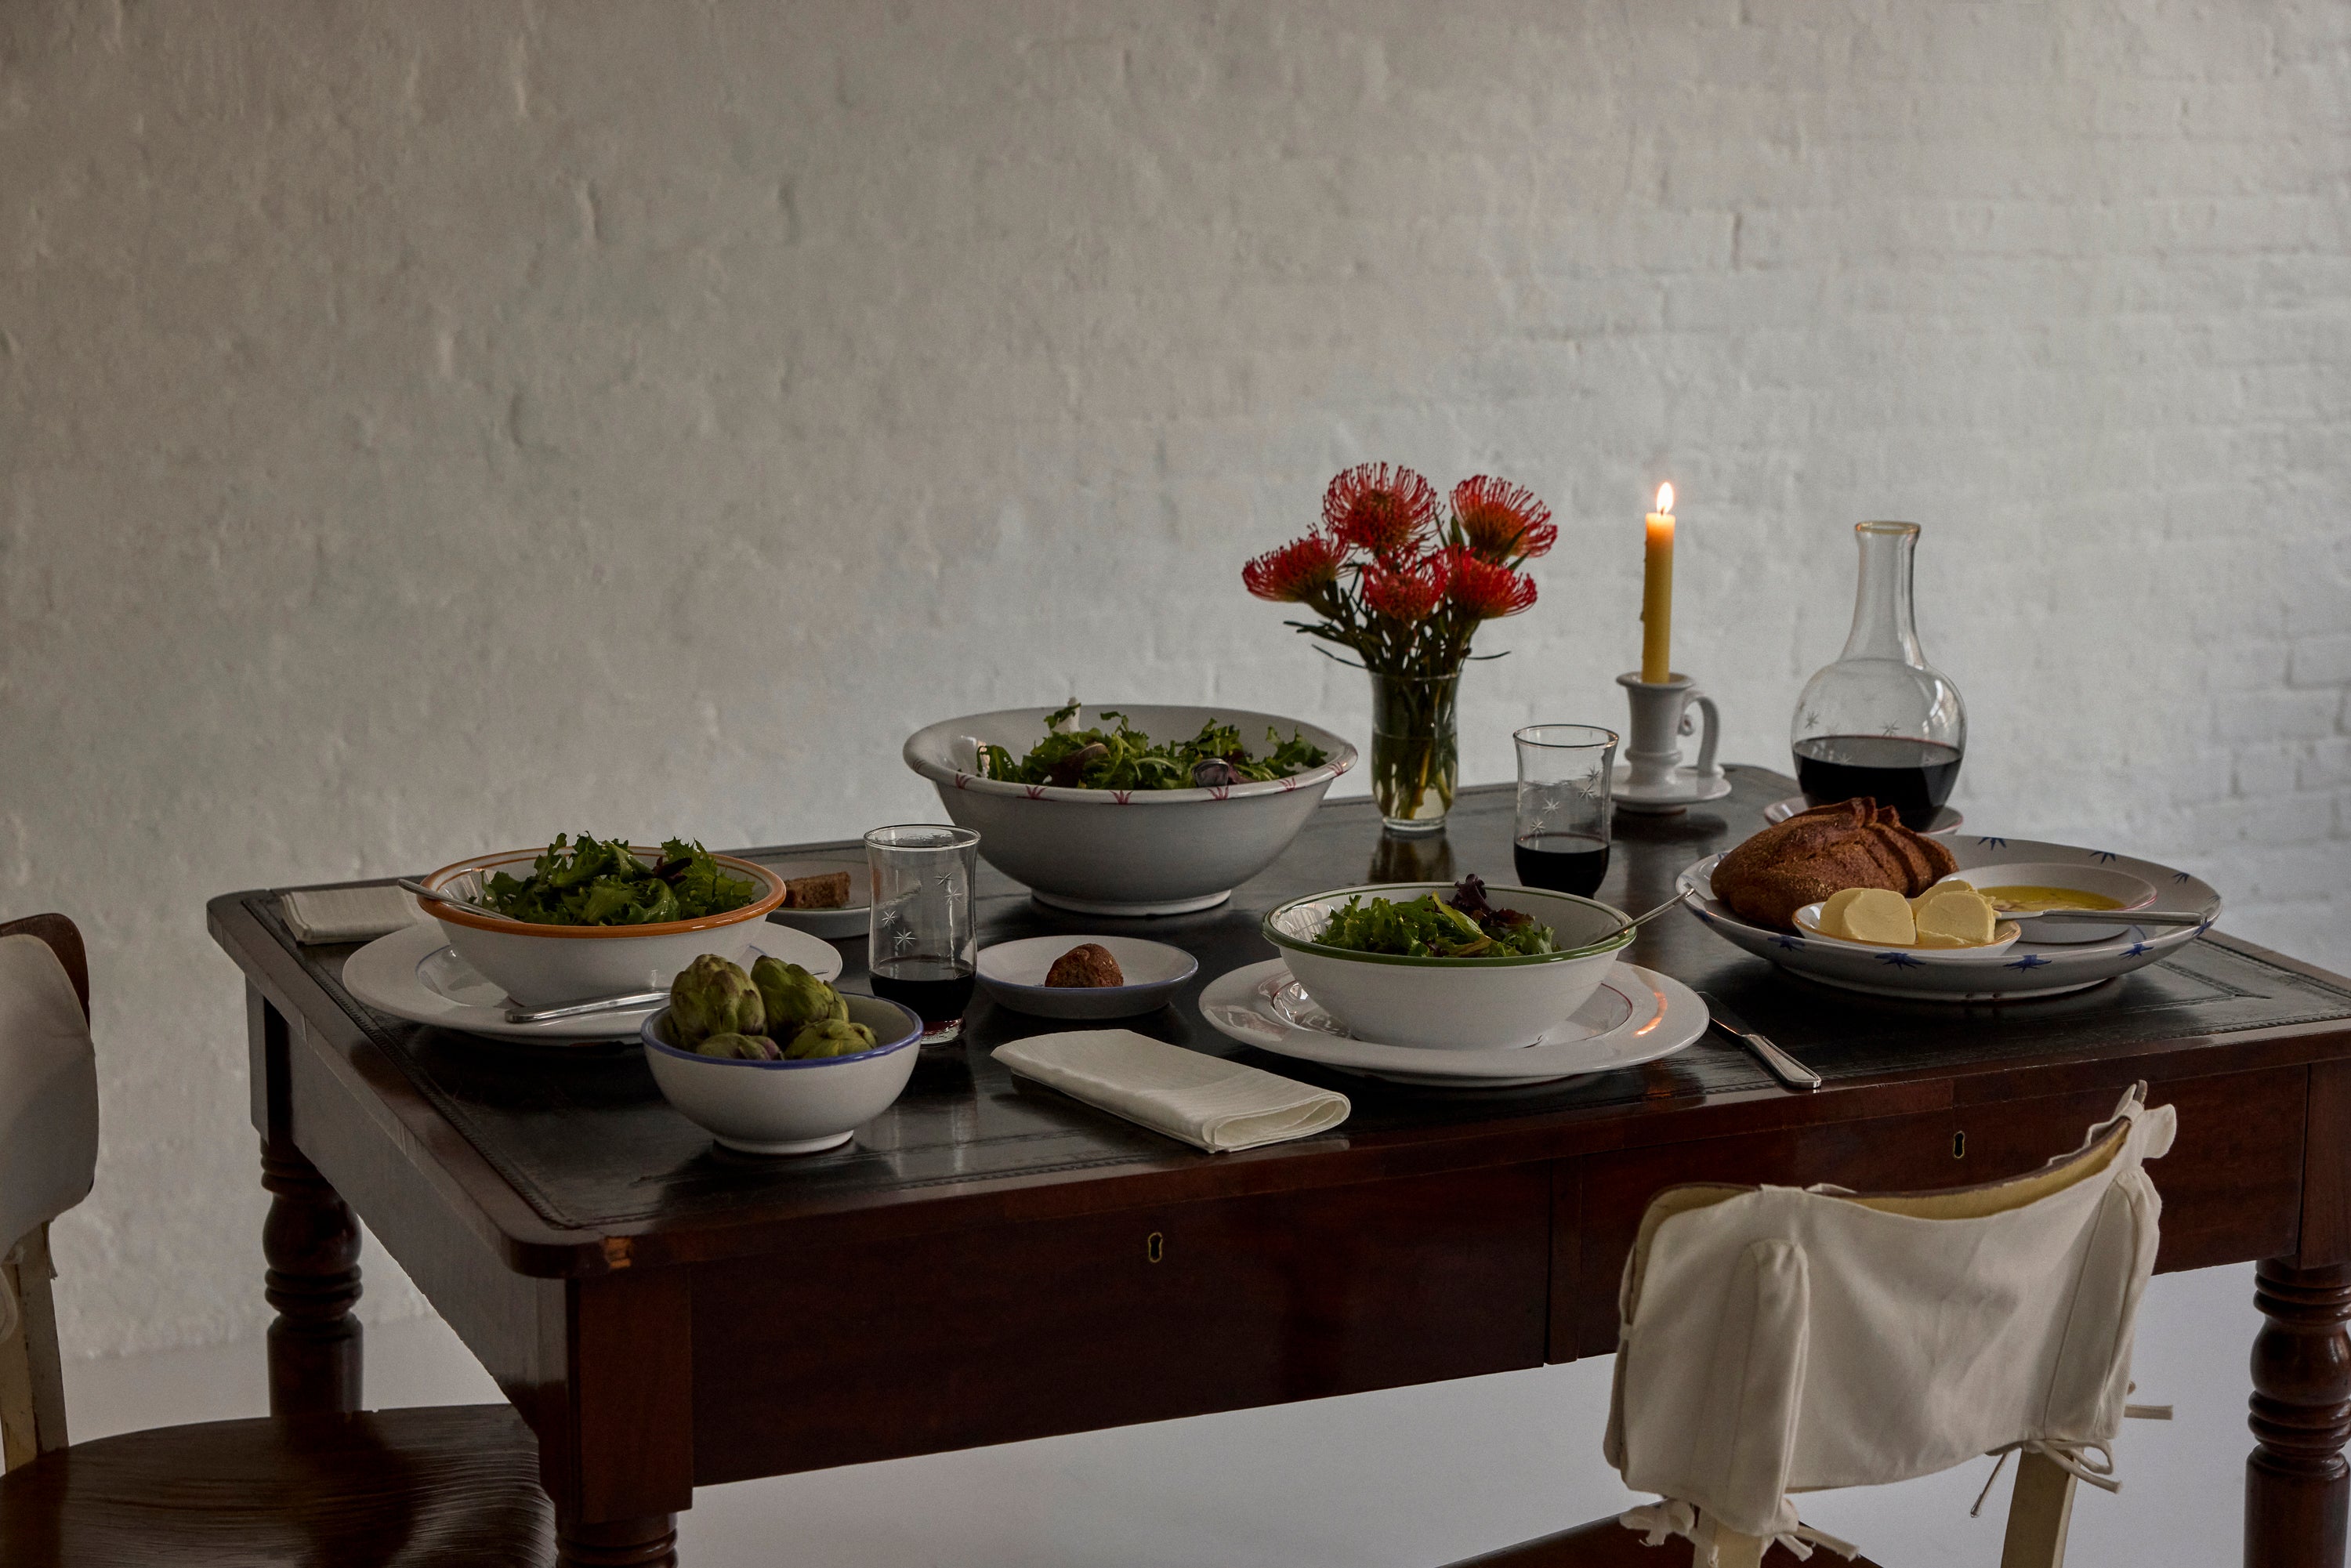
<point x="850" y="919"/>
<point x="1959" y="975"/>
<point x="1014" y="974"/>
<point x="1944" y="820"/>
<point x="1637" y="1015"/>
<point x="414" y="974"/>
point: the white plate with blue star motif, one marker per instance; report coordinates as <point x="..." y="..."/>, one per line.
<point x="1963" y="975"/>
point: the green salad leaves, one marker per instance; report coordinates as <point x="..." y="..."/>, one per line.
<point x="599" y="881"/>
<point x="1462" y="925"/>
<point x="1126" y="758"/>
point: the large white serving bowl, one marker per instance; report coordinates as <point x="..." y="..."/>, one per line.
<point x="1451" y="1004"/>
<point x="1124" y="852"/>
<point x="789" y="1107"/>
<point x="550" y="966"/>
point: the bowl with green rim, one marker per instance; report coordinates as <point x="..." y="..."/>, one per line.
<point x="1451" y="1004"/>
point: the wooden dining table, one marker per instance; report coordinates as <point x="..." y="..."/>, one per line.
<point x="989" y="1261"/>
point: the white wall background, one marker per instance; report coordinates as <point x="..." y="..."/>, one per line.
<point x="428" y="426"/>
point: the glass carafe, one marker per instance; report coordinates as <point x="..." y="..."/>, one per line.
<point x="1882" y="721"/>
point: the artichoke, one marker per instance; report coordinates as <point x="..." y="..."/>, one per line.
<point x="794" y="997"/>
<point x="740" y="1047"/>
<point x="832" y="1037"/>
<point x="711" y="995"/>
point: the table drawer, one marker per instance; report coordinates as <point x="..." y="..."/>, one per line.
<point x="2232" y="1185"/>
<point x="957" y="1339"/>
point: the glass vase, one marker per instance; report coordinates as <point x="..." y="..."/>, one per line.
<point x="1881" y="721"/>
<point x="1415" y="752"/>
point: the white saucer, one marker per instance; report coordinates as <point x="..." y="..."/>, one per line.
<point x="1637" y="1015"/>
<point x="851" y="918"/>
<point x="1689" y="788"/>
<point x="1944" y="820"/>
<point x="414" y="974"/>
<point x="1014" y="974"/>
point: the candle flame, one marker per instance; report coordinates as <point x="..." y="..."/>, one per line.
<point x="1665" y="498"/>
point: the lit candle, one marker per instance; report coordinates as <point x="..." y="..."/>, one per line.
<point x="1658" y="593"/>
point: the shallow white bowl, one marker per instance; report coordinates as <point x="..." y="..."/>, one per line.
<point x="1124" y="852"/>
<point x="789" y="1107"/>
<point x="2131" y="891"/>
<point x="548" y="966"/>
<point x="1014" y="974"/>
<point x="1450" y="1004"/>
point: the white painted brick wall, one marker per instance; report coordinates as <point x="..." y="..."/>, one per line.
<point x="427" y="426"/>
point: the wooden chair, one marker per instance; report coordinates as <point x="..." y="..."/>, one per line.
<point x="447" y="1486"/>
<point x="2041" y="1504"/>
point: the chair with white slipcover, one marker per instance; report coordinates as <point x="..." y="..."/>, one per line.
<point x="440" y="1487"/>
<point x="1776" y="1340"/>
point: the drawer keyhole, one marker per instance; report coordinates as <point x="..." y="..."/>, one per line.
<point x="1959" y="1146"/>
<point x="1155" y="1247"/>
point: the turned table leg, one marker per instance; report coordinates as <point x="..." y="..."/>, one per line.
<point x="647" y="1542"/>
<point x="2296" y="1484"/>
<point x="312" y="1244"/>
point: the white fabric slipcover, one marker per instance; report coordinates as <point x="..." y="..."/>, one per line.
<point x="48" y="1097"/>
<point x="1777" y="1340"/>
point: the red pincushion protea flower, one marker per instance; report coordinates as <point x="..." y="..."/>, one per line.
<point x="1295" y="571"/>
<point x="1500" y="519"/>
<point x="1484" y="589"/>
<point x="1375" y="507"/>
<point x="1406" y="592"/>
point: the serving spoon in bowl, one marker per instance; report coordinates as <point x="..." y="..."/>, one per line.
<point x="434" y="895"/>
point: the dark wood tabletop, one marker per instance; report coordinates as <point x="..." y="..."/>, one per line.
<point x="989" y="1260"/>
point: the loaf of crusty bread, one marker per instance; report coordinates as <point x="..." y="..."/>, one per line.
<point x="1853" y="843"/>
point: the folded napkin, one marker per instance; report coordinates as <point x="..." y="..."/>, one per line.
<point x="1209" y="1103"/>
<point x="347" y="914"/>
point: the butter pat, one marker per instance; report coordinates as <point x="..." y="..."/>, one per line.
<point x="1877" y="915"/>
<point x="1955" y="917"/>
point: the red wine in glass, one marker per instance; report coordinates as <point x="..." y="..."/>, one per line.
<point x="938" y="989"/>
<point x="1564" y="863"/>
<point x="1914" y="777"/>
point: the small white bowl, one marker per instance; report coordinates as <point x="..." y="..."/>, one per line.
<point x="550" y="966"/>
<point x="1014" y="974"/>
<point x="789" y="1107"/>
<point x="2003" y="936"/>
<point x="1450" y="1004"/>
<point x="2130" y="892"/>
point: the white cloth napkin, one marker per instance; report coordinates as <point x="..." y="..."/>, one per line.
<point x="348" y="914"/>
<point x="1207" y="1102"/>
<point x="48" y="1097"/>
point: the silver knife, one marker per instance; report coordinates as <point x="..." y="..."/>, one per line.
<point x="1783" y="1066"/>
<point x="581" y="1010"/>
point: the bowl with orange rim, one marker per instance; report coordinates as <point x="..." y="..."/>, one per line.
<point x="552" y="966"/>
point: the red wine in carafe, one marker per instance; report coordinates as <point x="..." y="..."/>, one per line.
<point x="938" y="989"/>
<point x="1914" y="777"/>
<point x="1564" y="863"/>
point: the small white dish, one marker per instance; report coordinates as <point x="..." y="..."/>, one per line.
<point x="2028" y="968"/>
<point x="1013" y="973"/>
<point x="789" y="1107"/>
<point x="1944" y="820"/>
<point x="414" y="974"/>
<point x="554" y="966"/>
<point x="2003" y="937"/>
<point x="2127" y="891"/>
<point x="1691" y="787"/>
<point x="1451" y="1004"/>
<point x="1634" y="1015"/>
<point x="847" y="922"/>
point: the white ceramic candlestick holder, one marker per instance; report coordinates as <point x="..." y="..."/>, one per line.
<point x="1651" y="777"/>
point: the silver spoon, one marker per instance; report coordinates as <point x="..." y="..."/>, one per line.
<point x="434" y="895"/>
<point x="1642" y="919"/>
<point x="2105" y="916"/>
